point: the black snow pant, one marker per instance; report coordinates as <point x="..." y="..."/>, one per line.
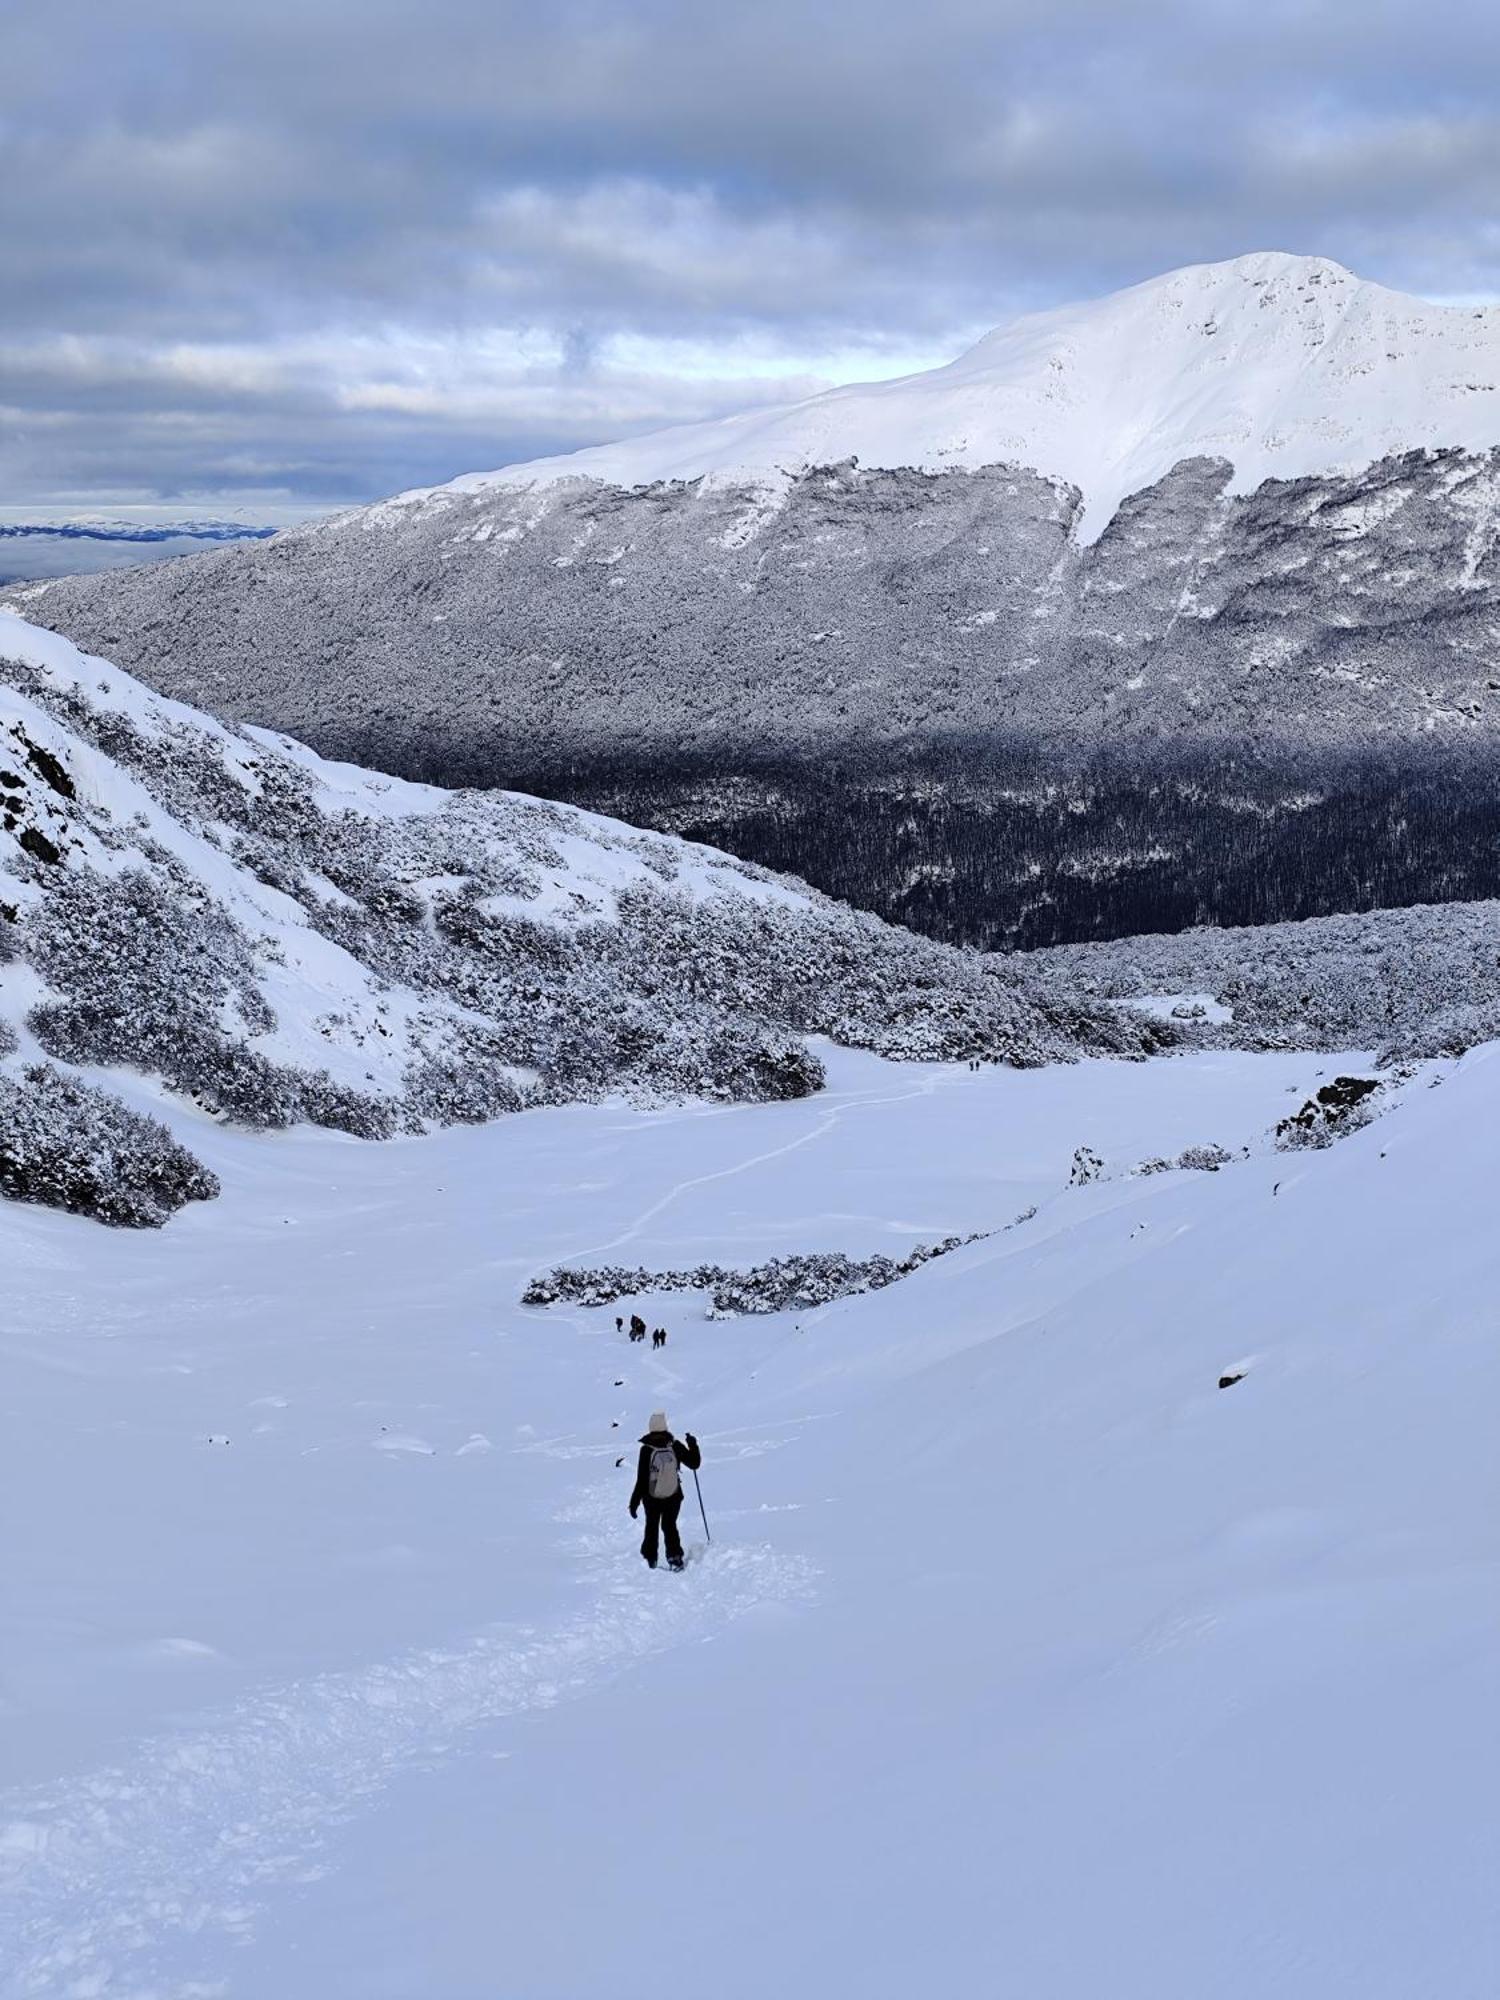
<point x="661" y="1518"/>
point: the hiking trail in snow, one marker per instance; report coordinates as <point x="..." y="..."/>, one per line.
<point x="190" y="1837"/>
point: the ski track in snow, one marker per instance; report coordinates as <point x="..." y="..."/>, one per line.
<point x="827" y="1121"/>
<point x="108" y="1873"/>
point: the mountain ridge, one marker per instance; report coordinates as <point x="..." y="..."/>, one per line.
<point x="1107" y="396"/>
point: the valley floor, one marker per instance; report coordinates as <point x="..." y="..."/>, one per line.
<point x="1024" y="1660"/>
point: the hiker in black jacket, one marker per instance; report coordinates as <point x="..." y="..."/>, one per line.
<point x="658" y="1487"/>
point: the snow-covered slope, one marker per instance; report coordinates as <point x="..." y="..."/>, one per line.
<point x="1283" y="365"/>
<point x="1422" y="981"/>
<point x="283" y="939"/>
<point x="1025" y="1660"/>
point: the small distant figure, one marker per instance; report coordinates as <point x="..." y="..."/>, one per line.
<point x="637" y="1327"/>
<point x="658" y="1487"/>
<point x="619" y="1324"/>
<point x="659" y="1338"/>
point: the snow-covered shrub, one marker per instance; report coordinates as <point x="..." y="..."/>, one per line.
<point x="466" y="1082"/>
<point x="1192" y="1159"/>
<point x="1452" y="1031"/>
<point x="780" y="1285"/>
<point x="1419" y="981"/>
<point x="1087" y="1167"/>
<point x="66" y="1144"/>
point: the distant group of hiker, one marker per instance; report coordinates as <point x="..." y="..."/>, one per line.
<point x="638" y="1330"/>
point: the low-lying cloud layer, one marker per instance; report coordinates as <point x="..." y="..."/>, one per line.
<point x="313" y="251"/>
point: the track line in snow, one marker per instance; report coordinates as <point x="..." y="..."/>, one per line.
<point x="829" y="1119"/>
<point x="135" y="1882"/>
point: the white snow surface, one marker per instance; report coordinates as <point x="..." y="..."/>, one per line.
<point x="1024" y="1659"/>
<point x="1284" y="365"/>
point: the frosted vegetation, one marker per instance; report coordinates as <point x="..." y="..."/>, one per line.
<point x="281" y="940"/>
<point x="784" y="1284"/>
<point x="66" y="1144"/>
<point x="1412" y="983"/>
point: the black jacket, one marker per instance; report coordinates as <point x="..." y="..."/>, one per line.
<point x="687" y="1454"/>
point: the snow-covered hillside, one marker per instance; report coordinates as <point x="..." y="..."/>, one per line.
<point x="1025" y="1659"/>
<point x="285" y="940"/>
<point x="1285" y="366"/>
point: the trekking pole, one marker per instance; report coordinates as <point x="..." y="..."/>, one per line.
<point x="706" y="1535"/>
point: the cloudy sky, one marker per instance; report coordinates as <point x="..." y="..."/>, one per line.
<point x="275" y="257"/>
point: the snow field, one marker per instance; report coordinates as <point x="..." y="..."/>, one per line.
<point x="1024" y="1658"/>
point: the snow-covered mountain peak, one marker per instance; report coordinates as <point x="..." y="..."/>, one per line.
<point x="1285" y="366"/>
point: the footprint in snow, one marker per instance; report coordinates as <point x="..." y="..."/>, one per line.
<point x="400" y="1441"/>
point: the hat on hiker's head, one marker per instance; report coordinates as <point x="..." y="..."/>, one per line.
<point x="658" y="1421"/>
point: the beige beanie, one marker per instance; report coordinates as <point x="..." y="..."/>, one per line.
<point x="658" y="1421"/>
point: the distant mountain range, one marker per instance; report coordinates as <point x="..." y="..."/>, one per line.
<point x="36" y="551"/>
<point x="136" y="531"/>
<point x="1176" y="607"/>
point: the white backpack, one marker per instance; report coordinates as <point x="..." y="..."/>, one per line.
<point x="661" y="1475"/>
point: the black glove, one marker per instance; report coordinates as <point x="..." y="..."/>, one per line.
<point x="691" y="1439"/>
<point x="635" y="1508"/>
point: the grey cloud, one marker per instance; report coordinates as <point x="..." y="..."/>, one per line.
<point x="278" y="181"/>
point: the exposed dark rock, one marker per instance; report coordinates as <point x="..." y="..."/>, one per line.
<point x="48" y="768"/>
<point x="1337" y="1108"/>
<point x="35" y="842"/>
